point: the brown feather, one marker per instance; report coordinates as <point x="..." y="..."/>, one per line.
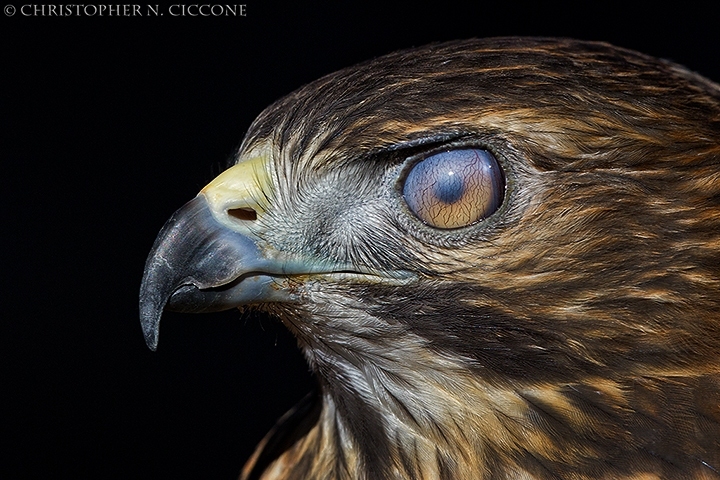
<point x="574" y="334"/>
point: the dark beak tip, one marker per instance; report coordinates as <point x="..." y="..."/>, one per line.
<point x="150" y="333"/>
<point x="151" y="341"/>
<point x="150" y="313"/>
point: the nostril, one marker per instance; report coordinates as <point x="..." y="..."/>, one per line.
<point x="243" y="213"/>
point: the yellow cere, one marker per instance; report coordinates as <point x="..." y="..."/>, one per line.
<point x="246" y="185"/>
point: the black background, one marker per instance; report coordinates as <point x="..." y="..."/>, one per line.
<point x="108" y="126"/>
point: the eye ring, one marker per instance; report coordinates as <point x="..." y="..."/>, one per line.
<point x="454" y="188"/>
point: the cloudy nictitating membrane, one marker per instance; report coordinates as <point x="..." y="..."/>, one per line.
<point x="454" y="189"/>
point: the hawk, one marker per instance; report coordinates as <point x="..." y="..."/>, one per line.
<point x="500" y="258"/>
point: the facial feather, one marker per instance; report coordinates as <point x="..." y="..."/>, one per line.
<point x="532" y="340"/>
<point x="571" y="334"/>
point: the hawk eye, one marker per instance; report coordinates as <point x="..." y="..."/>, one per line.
<point x="454" y="189"/>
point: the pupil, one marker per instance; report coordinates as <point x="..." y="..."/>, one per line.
<point x="449" y="188"/>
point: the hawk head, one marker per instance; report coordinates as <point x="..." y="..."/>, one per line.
<point x="500" y="258"/>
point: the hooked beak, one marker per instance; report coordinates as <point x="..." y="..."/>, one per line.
<point x="198" y="265"/>
<point x="212" y="254"/>
<point x="208" y="257"/>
